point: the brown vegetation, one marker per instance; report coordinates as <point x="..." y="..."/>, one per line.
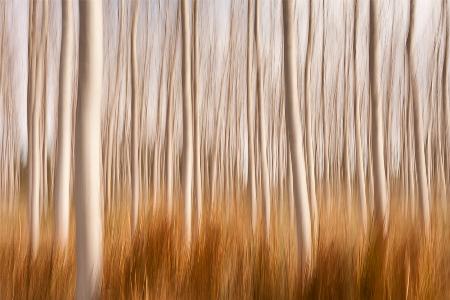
<point x="227" y="262"/>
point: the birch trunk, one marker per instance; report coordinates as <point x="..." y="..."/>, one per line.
<point x="33" y="204"/>
<point x="250" y="122"/>
<point x="262" y="127"/>
<point x="198" y="175"/>
<point x="293" y="126"/>
<point x="135" y="108"/>
<point x="187" y="168"/>
<point x="357" y="118"/>
<point x="64" y="150"/>
<point x="419" y="145"/>
<point x="379" y="174"/>
<point x="309" y="145"/>
<point x="87" y="152"/>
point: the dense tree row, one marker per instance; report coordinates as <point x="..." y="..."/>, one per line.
<point x="191" y="103"/>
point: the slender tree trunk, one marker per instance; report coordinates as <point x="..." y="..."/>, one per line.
<point x="290" y="186"/>
<point x="262" y="127"/>
<point x="294" y="131"/>
<point x="309" y="144"/>
<point x="135" y="108"/>
<point x="250" y="122"/>
<point x="64" y="151"/>
<point x="87" y="152"/>
<point x="169" y="143"/>
<point x="446" y="105"/>
<point x="36" y="161"/>
<point x="33" y="205"/>
<point x="419" y="144"/>
<point x="358" y="143"/>
<point x="379" y="174"/>
<point x="360" y="164"/>
<point x="197" y="159"/>
<point x="187" y="168"/>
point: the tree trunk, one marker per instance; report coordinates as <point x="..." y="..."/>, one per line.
<point x="197" y="160"/>
<point x="135" y="108"/>
<point x="187" y="168"/>
<point x="262" y="127"/>
<point x="418" y="126"/>
<point x="87" y="152"/>
<point x="33" y="192"/>
<point x="64" y="151"/>
<point x="357" y="119"/>
<point x="379" y="174"/>
<point x="169" y="143"/>
<point x="293" y="126"/>
<point x="250" y="122"/>
<point x="309" y="144"/>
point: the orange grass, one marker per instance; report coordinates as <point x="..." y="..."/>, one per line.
<point x="226" y="261"/>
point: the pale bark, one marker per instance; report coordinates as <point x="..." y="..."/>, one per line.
<point x="196" y="107"/>
<point x="446" y="107"/>
<point x="358" y="143"/>
<point x="262" y="127"/>
<point x="169" y="140"/>
<point x="419" y="144"/>
<point x="360" y="165"/>
<point x="250" y="131"/>
<point x="33" y="197"/>
<point x="36" y="138"/>
<point x="135" y="108"/>
<point x="379" y="174"/>
<point x="64" y="150"/>
<point x="290" y="187"/>
<point x="293" y="127"/>
<point x="89" y="231"/>
<point x="187" y="168"/>
<point x="36" y="162"/>
<point x="309" y="144"/>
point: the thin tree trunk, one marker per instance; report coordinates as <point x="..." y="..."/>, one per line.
<point x="135" y="108"/>
<point x="197" y="160"/>
<point x="418" y="130"/>
<point x="309" y="144"/>
<point x="250" y="122"/>
<point x="262" y="127"/>
<point x="187" y="168"/>
<point x="64" y="150"/>
<point x="358" y="143"/>
<point x="379" y="174"/>
<point x="32" y="199"/>
<point x="296" y="141"/>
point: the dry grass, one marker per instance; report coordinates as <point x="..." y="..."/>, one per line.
<point x="227" y="262"/>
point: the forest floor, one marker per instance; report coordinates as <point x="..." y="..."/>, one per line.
<point x="227" y="261"/>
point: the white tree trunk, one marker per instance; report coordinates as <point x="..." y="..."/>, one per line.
<point x="309" y="144"/>
<point x="446" y="105"/>
<point x="251" y="145"/>
<point x="379" y="174"/>
<point x="135" y="109"/>
<point x="262" y="128"/>
<point x="169" y="150"/>
<point x="87" y="152"/>
<point x="415" y="63"/>
<point x="360" y="174"/>
<point x="36" y="161"/>
<point x="294" y="132"/>
<point x="197" y="159"/>
<point x="64" y="150"/>
<point x="290" y="187"/>
<point x="360" y="165"/>
<point x="420" y="160"/>
<point x="187" y="169"/>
